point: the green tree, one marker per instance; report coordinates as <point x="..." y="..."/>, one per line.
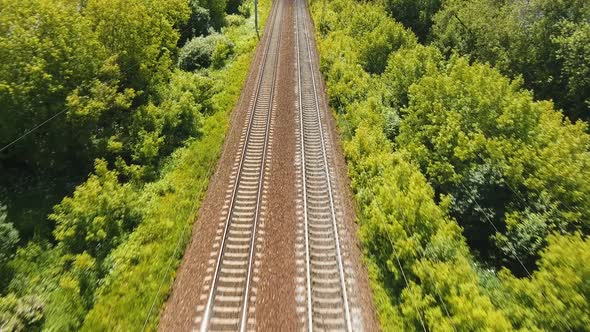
<point x="8" y="237"/>
<point x="508" y="162"/>
<point x="198" y="24"/>
<point x="431" y="141"/>
<point x="414" y="14"/>
<point x="20" y="314"/>
<point x="98" y="216"/>
<point x="141" y="35"/>
<point x="400" y="221"/>
<point x="406" y="67"/>
<point x="542" y="41"/>
<point x="47" y="49"/>
<point x="216" y="10"/>
<point x="8" y="241"/>
<point x="158" y="129"/>
<point x="557" y="296"/>
<point x="379" y="43"/>
<point x="573" y="54"/>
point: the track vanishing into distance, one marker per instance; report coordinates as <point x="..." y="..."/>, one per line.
<point x="229" y="295"/>
<point x="327" y="298"/>
<point x="274" y="246"/>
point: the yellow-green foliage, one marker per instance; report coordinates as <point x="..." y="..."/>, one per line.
<point x="120" y="235"/>
<point x="140" y="33"/>
<point x="397" y="210"/>
<point x="409" y="134"/>
<point x="100" y="212"/>
<point x="556" y="297"/>
<point x="143" y="268"/>
<point x="468" y="126"/>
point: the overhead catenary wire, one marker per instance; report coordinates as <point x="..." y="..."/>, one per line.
<point x="33" y="129"/>
<point x="399" y="264"/>
<point x="511" y="246"/>
<point x="439" y="293"/>
<point x="193" y="209"/>
<point x="522" y="199"/>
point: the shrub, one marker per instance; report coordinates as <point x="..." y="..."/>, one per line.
<point x="235" y="20"/>
<point x="196" y="54"/>
<point x="8" y="238"/>
<point x="98" y="216"/>
<point x="392" y="123"/>
<point x="224" y="48"/>
<point x="160" y="128"/>
<point x="202" y="52"/>
<point x="20" y="314"/>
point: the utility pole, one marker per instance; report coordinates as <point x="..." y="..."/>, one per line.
<point x="256" y="17"/>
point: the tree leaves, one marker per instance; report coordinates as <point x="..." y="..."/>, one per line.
<point x="434" y="143"/>
<point x="100" y="212"/>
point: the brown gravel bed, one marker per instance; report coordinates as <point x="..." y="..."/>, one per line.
<point x="275" y="305"/>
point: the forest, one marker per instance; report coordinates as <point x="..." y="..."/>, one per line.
<point x="110" y="110"/>
<point x="464" y="125"/>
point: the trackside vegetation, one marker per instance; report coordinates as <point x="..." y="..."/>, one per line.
<point x="473" y="196"/>
<point x="146" y="88"/>
<point x="543" y="41"/>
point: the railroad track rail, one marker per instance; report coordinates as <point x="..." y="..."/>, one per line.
<point x="326" y="294"/>
<point x="229" y="293"/>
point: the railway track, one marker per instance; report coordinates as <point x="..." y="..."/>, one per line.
<point x="327" y="299"/>
<point x="229" y="293"/>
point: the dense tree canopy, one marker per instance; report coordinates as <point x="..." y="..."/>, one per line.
<point x="473" y="195"/>
<point x="130" y="133"/>
<point x="99" y="62"/>
<point x="48" y="50"/>
<point x="416" y="14"/>
<point x="472" y="191"/>
<point x="544" y="41"/>
<point x="508" y="162"/>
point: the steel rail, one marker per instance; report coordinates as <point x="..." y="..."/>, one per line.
<point x="305" y="218"/>
<point x="344" y="293"/>
<point x="216" y="274"/>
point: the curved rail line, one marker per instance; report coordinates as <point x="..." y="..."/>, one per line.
<point x="327" y="298"/>
<point x="227" y="302"/>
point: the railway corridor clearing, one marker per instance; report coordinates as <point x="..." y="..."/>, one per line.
<point x="274" y="246"/>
